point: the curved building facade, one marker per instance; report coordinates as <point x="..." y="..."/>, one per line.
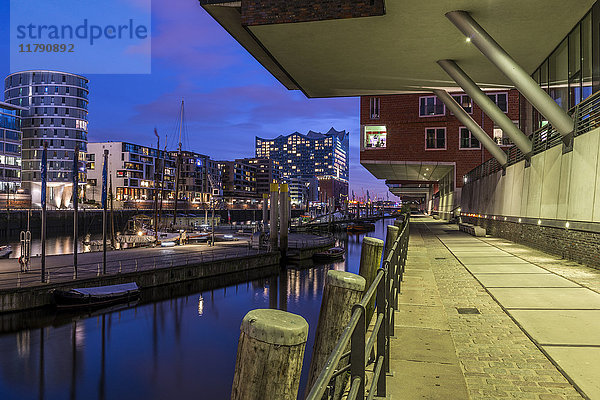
<point x="57" y="114"/>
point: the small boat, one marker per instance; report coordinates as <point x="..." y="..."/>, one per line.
<point x="332" y="254"/>
<point x="5" y="251"/>
<point x="96" y="296"/>
<point x="357" y="228"/>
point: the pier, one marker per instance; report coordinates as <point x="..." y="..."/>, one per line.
<point x="148" y="267"/>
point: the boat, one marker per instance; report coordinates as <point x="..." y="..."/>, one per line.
<point x="96" y="296"/>
<point x="5" y="251"/>
<point x="332" y="254"/>
<point x="357" y="228"/>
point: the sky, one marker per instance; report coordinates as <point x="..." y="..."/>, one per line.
<point x="229" y="97"/>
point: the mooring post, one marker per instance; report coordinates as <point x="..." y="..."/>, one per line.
<point x="265" y="210"/>
<point x="342" y="291"/>
<point x="274" y="200"/>
<point x="283" y="218"/>
<point x="269" y="356"/>
<point x="370" y="260"/>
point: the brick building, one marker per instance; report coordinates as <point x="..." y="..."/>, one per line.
<point x="421" y="148"/>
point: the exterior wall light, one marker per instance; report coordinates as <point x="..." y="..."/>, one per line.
<point x="567" y="225"/>
<point x="519" y="220"/>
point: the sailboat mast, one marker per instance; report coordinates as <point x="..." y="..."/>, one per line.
<point x="156" y="169"/>
<point x="178" y="167"/>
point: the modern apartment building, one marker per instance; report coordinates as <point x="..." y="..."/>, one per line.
<point x="199" y="174"/>
<point x="57" y="109"/>
<point x="10" y="147"/>
<point x="239" y="182"/>
<point x="133" y="170"/>
<point x="267" y="172"/>
<point x="313" y="154"/>
<point x="425" y="143"/>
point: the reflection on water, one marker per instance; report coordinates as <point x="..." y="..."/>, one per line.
<point x="182" y="347"/>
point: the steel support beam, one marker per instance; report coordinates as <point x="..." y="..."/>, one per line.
<point x="487" y="105"/>
<point x="507" y="65"/>
<point x="471" y="125"/>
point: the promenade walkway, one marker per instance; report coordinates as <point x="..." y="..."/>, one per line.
<point x="59" y="268"/>
<point x="484" y="318"/>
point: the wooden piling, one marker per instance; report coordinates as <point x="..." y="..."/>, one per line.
<point x="390" y="238"/>
<point x="342" y="291"/>
<point x="370" y="260"/>
<point x="269" y="357"/>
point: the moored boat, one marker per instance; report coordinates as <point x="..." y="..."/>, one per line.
<point x="5" y="251"/>
<point x="96" y="296"/>
<point x="332" y="254"/>
<point x="357" y="228"/>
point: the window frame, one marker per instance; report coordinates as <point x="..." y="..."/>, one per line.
<point x="431" y="115"/>
<point x="374" y="108"/>
<point x="471" y="137"/>
<point x="364" y="137"/>
<point x="496" y="99"/>
<point x="436" y="128"/>
<point x="454" y="96"/>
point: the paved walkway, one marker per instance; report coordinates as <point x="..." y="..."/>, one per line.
<point x="484" y="318"/>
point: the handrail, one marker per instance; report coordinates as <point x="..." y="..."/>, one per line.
<point x="586" y="116"/>
<point x="385" y="287"/>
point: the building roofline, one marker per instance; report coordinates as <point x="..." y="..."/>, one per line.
<point x="47" y="70"/>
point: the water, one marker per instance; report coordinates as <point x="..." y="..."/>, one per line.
<point x="179" y="348"/>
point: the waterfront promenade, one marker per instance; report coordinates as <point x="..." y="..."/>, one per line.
<point x="59" y="268"/>
<point x="483" y="318"/>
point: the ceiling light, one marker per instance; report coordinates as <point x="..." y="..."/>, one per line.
<point x="468" y="40"/>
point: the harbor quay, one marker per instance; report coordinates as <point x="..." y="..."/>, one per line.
<point x="148" y="267"/>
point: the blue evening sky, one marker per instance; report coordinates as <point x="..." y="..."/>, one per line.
<point x="229" y="97"/>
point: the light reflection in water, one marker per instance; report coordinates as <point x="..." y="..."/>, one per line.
<point x="183" y="347"/>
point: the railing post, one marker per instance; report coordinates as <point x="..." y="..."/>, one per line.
<point x="383" y="308"/>
<point x="357" y="350"/>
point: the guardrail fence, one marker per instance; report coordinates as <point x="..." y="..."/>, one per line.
<point x="586" y="116"/>
<point x="374" y="351"/>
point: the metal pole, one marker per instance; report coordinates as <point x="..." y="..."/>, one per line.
<point x="43" y="199"/>
<point x="487" y="105"/>
<point x="212" y="223"/>
<point x="75" y="208"/>
<point x="518" y="76"/>
<point x="274" y="197"/>
<point x="471" y="125"/>
<point x="104" y="176"/>
<point x="156" y="168"/>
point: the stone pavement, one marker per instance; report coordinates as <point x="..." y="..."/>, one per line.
<point x="453" y="340"/>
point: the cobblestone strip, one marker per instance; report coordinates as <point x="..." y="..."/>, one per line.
<point x="498" y="360"/>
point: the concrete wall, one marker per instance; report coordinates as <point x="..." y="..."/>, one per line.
<point x="555" y="186"/>
<point x="552" y="205"/>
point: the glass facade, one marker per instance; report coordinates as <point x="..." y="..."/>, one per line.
<point x="57" y="104"/>
<point x="567" y="74"/>
<point x="10" y="148"/>
<point x="310" y="155"/>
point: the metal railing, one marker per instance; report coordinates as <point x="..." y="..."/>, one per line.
<point x="374" y="351"/>
<point x="586" y="116"/>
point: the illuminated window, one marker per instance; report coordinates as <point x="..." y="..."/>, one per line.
<point x="465" y="102"/>
<point x="375" y="136"/>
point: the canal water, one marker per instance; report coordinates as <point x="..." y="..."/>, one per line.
<point x="179" y="348"/>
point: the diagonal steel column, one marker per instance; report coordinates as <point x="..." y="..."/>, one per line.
<point x="487" y="105"/>
<point x="471" y="125"/>
<point x="513" y="71"/>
